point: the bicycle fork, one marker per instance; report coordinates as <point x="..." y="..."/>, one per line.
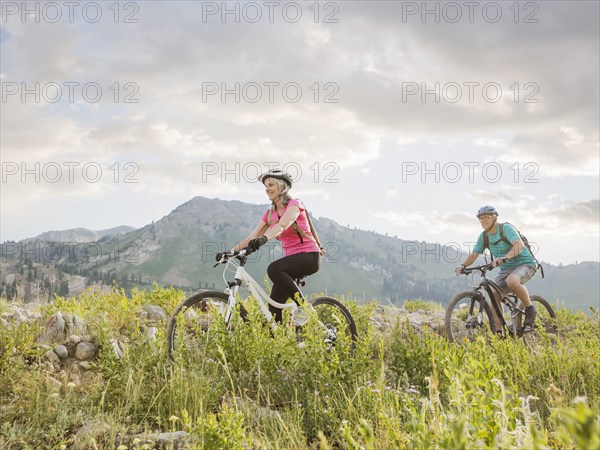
<point x="232" y="294"/>
<point x="479" y="317"/>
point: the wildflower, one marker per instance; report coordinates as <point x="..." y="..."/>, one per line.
<point x="173" y="419"/>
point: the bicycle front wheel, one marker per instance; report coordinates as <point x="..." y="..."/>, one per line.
<point x="335" y="321"/>
<point x="546" y="320"/>
<point x="468" y="315"/>
<point x="192" y="319"/>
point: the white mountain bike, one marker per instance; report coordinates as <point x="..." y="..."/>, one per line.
<point x="193" y="318"/>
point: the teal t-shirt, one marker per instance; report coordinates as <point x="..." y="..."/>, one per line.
<point x="499" y="248"/>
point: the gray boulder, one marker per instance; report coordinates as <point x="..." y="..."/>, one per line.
<point x="153" y="313"/>
<point x="85" y="351"/>
<point x="61" y="351"/>
<point x="74" y="324"/>
<point x="54" y="329"/>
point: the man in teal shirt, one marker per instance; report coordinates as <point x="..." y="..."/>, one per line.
<point x="517" y="264"/>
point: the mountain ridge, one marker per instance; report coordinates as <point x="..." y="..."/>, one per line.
<point x="79" y="234"/>
<point x="178" y="249"/>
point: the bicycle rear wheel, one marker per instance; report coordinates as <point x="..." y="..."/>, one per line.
<point x="546" y="320"/>
<point x="468" y="315"/>
<point x="337" y="323"/>
<point x="192" y="320"/>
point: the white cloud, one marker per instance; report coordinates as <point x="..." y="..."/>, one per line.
<point x="405" y="140"/>
<point x="499" y="198"/>
<point x="559" y="151"/>
<point x="369" y="61"/>
<point x="490" y="142"/>
<point x="432" y="222"/>
<point x="569" y="218"/>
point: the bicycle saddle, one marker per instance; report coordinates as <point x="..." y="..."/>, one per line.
<point x="300" y="281"/>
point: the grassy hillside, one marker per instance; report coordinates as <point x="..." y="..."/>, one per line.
<point x="250" y="388"/>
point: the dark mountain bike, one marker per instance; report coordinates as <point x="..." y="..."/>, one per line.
<point x="471" y="313"/>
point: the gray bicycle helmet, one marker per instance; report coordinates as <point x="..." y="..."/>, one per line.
<point x="276" y="173"/>
<point x="487" y="210"/>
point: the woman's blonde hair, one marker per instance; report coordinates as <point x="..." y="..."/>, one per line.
<point x="283" y="192"/>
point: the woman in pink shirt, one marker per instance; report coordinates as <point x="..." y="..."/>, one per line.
<point x="287" y="221"/>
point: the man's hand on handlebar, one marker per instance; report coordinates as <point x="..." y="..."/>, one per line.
<point x="462" y="270"/>
<point x="499" y="262"/>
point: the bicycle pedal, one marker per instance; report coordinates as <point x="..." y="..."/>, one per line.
<point x="527" y="329"/>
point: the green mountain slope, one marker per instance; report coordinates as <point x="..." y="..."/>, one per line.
<point x="179" y="250"/>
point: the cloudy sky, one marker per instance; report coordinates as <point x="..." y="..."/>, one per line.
<point x="398" y="117"/>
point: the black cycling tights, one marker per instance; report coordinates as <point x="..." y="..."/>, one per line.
<point x="283" y="272"/>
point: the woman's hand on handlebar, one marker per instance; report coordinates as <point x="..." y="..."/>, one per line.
<point x="223" y="256"/>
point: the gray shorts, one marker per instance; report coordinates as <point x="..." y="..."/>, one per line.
<point x="524" y="271"/>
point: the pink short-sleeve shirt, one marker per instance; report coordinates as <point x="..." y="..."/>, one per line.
<point x="290" y="240"/>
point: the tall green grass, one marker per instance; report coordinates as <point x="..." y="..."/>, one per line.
<point x="253" y="388"/>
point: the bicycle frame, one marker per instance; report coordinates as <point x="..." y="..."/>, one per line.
<point x="505" y="299"/>
<point x="242" y="277"/>
<point x="326" y="312"/>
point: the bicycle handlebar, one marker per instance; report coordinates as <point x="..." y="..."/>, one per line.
<point x="226" y="256"/>
<point x="483" y="269"/>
